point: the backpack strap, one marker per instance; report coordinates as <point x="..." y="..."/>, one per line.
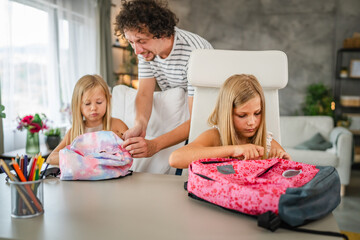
<point x="271" y="221"/>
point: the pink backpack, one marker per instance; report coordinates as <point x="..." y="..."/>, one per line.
<point x="278" y="192"/>
<point x="94" y="156"/>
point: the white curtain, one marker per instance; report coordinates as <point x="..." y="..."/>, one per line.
<point x="45" y="47"/>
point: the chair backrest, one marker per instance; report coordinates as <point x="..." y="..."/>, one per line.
<point x="208" y="69"/>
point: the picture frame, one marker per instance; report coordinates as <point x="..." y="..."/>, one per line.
<point x="355" y="68"/>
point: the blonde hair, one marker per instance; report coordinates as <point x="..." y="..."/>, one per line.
<point x="84" y="84"/>
<point x="237" y="90"/>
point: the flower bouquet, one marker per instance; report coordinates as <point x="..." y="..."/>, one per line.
<point x="33" y="125"/>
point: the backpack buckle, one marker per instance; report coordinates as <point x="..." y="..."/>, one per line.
<point x="269" y="220"/>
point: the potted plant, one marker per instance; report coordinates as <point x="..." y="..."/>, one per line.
<point x="318" y="100"/>
<point x="53" y="138"/>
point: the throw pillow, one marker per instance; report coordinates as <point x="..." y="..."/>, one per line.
<point x="317" y="142"/>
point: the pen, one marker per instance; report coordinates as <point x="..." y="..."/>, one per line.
<point x="43" y="173"/>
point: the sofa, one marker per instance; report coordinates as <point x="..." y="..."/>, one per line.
<point x="300" y="137"/>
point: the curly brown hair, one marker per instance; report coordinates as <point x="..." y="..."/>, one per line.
<point x="142" y="15"/>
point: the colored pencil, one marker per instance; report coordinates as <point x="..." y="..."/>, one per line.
<point x="29" y="167"/>
<point x="37" y="170"/>
<point x="32" y="171"/>
<point x="18" y="171"/>
<point x="40" y="162"/>
<point x="21" y="163"/>
<point x="25" y="166"/>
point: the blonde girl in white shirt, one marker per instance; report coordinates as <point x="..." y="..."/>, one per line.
<point x="240" y="128"/>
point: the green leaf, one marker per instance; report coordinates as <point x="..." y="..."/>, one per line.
<point x="2" y="108"/>
<point x="37" y="119"/>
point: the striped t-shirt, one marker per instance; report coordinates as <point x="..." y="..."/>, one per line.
<point x="171" y="72"/>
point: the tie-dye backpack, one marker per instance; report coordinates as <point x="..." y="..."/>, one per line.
<point x="280" y="193"/>
<point x="94" y="156"/>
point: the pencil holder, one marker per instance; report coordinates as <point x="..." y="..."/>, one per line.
<point x="27" y="199"/>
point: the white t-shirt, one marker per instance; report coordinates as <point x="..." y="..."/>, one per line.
<point x="171" y="72"/>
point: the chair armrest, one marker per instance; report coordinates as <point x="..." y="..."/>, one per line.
<point x="335" y="135"/>
<point x="342" y="140"/>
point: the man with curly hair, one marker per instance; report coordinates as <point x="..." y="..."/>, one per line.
<point x="163" y="51"/>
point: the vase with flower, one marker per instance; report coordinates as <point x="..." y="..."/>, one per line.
<point x="33" y="124"/>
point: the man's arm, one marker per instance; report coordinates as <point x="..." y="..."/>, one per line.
<point x="143" y="108"/>
<point x="140" y="147"/>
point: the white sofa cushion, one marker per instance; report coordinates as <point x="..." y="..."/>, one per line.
<point x="314" y="157"/>
<point x="300" y="129"/>
<point x="170" y="109"/>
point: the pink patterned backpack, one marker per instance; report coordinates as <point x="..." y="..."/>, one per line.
<point x="94" y="156"/>
<point x="280" y="193"/>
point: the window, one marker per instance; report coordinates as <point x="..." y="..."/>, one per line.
<point x="45" y="47"/>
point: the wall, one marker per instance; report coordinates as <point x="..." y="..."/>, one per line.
<point x="308" y="31"/>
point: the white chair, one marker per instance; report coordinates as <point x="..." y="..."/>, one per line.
<point x="170" y="109"/>
<point x="208" y="69"/>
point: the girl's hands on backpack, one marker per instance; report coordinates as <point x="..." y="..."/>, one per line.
<point x="248" y="151"/>
<point x="279" y="153"/>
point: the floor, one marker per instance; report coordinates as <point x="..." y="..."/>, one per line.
<point x="347" y="214"/>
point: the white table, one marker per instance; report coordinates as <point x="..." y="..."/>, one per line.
<point x="141" y="206"/>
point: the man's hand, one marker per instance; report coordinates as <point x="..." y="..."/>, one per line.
<point x="140" y="147"/>
<point x="136" y="131"/>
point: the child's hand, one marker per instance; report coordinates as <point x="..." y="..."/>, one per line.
<point x="248" y="151"/>
<point x="279" y="153"/>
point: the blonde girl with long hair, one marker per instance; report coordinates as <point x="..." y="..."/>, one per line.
<point x="91" y="112"/>
<point x="239" y="127"/>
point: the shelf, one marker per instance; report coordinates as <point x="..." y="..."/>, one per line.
<point x="349" y="50"/>
<point x="125" y="73"/>
<point x="349" y="109"/>
<point x="117" y="46"/>
<point x="348" y="78"/>
<point x="355" y="132"/>
<point x="343" y="82"/>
